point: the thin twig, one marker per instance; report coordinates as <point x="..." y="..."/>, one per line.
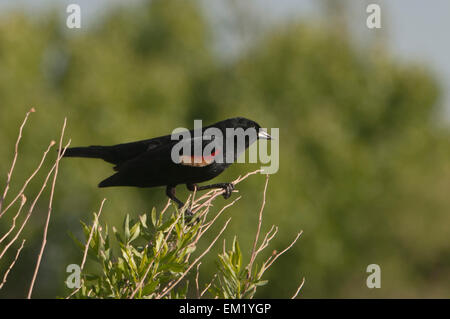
<point x="268" y="238"/>
<point x="211" y="195"/>
<point x="31" y="208"/>
<point x="22" y="190"/>
<point x="241" y="178"/>
<point x="298" y="289"/>
<point x="255" y="243"/>
<point x="209" y="224"/>
<point x="209" y="285"/>
<point x="272" y="258"/>
<point x="165" y="207"/>
<point x="22" y="203"/>
<point x="86" y="247"/>
<point x="193" y="198"/>
<point x="94" y="226"/>
<point x="5" y="276"/>
<point x="49" y="212"/>
<point x="196" y="280"/>
<point x="16" y="153"/>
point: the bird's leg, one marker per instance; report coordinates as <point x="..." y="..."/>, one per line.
<point x="170" y="192"/>
<point x="227" y="187"/>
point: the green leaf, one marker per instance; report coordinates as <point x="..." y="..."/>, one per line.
<point x="261" y="283"/>
<point x="158" y="241"/>
<point x="149" y="288"/>
<point x="135" y="231"/>
<point x="126" y="227"/>
<point x="153" y="216"/>
<point x="237" y="255"/>
<point x="176" y="268"/>
<point x="77" y="242"/>
<point x="117" y="235"/>
<point x="121" y="264"/>
<point x="143" y="219"/>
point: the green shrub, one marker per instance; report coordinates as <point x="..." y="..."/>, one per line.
<point x="155" y="253"/>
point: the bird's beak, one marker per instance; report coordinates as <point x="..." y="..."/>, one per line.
<point x="264" y="135"/>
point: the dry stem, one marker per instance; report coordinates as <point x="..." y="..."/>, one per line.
<point x="86" y="247"/>
<point x="16" y="153"/>
<point x="5" y="276"/>
<point x="298" y="289"/>
<point x="49" y="212"/>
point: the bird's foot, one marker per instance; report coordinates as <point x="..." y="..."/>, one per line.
<point x="228" y="188"/>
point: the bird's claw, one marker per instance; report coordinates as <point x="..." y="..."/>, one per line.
<point x="228" y="188"/>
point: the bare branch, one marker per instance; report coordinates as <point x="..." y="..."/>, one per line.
<point x="268" y="238"/>
<point x="208" y="285"/>
<point x="33" y="204"/>
<point x="255" y="243"/>
<point x="298" y="289"/>
<point x="165" y="207"/>
<point x="5" y="276"/>
<point x="196" y="281"/>
<point x="29" y="179"/>
<point x="22" y="203"/>
<point x="211" y="195"/>
<point x="241" y="178"/>
<point x="86" y="247"/>
<point x="209" y="224"/>
<point x="272" y="258"/>
<point x="16" y="153"/>
<point x="50" y="206"/>
<point x="94" y="226"/>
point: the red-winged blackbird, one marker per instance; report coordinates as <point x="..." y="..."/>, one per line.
<point x="150" y="163"/>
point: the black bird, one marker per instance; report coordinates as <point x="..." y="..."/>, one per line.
<point x="151" y="163"/>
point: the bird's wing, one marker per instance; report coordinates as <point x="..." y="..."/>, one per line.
<point x="151" y="151"/>
<point x="122" y="153"/>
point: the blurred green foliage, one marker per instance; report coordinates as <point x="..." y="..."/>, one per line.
<point x="364" y="164"/>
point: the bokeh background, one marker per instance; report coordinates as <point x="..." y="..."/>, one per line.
<point x="363" y="118"/>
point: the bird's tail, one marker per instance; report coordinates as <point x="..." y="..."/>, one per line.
<point x="89" y="151"/>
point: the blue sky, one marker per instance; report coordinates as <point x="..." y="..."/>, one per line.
<point x="417" y="30"/>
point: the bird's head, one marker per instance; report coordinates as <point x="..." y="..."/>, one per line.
<point x="239" y="133"/>
<point x="245" y="124"/>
